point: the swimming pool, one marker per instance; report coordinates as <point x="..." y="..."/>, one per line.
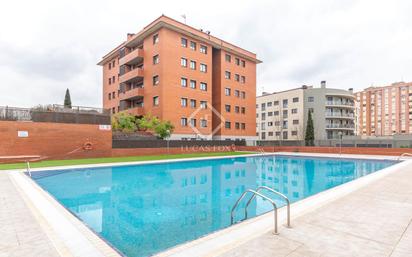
<point x="144" y="209"/>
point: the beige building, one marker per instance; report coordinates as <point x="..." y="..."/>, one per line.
<point x="385" y="111"/>
<point x="283" y="115"/>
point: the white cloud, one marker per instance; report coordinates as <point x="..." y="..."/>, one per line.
<point x="47" y="46"/>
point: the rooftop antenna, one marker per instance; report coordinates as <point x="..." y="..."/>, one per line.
<point x="184" y="17"/>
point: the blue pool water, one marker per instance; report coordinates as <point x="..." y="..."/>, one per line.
<point x="144" y="209"/>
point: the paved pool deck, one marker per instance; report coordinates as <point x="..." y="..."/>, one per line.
<point x="375" y="220"/>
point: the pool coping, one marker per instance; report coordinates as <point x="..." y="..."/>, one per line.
<point x="77" y="235"/>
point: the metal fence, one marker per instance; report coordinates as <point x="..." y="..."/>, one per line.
<point x="56" y="113"/>
<point x="380" y="143"/>
<point x="127" y="143"/>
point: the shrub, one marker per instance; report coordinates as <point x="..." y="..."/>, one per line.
<point x="124" y="122"/>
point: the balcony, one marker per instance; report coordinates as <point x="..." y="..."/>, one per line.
<point x="340" y="104"/>
<point x="340" y="126"/>
<point x="131" y="58"/>
<point x="137" y="111"/>
<point x="131" y="76"/>
<point x="339" y="115"/>
<point x="132" y="93"/>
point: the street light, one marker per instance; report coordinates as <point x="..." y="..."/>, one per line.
<point x="167" y="140"/>
<point x="340" y="145"/>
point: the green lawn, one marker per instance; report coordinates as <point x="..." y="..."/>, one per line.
<point x="42" y="164"/>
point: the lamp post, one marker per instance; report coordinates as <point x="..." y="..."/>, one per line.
<point x="340" y="145"/>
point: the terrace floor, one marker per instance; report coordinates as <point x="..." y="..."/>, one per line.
<point x="20" y="232"/>
<point x="373" y="221"/>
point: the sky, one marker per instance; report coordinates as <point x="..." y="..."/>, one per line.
<point x="47" y="46"/>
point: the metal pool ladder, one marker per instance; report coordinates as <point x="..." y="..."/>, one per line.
<point x="404" y="154"/>
<point x="275" y="209"/>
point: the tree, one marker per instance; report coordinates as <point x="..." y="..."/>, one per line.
<point x="147" y="122"/>
<point x="67" y="100"/>
<point x="310" y="131"/>
<point x="124" y="122"/>
<point x="164" y="129"/>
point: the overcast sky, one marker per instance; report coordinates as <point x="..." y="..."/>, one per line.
<point x="47" y="46"/>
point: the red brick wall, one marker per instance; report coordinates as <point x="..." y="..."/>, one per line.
<point x="54" y="140"/>
<point x="345" y="150"/>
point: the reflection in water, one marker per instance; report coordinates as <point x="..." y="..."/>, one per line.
<point x="144" y="209"/>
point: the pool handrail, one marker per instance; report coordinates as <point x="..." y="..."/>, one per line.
<point x="404" y="154"/>
<point x="275" y="192"/>
<point x="275" y="208"/>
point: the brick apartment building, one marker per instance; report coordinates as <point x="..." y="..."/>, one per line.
<point x="205" y="86"/>
<point x="385" y="111"/>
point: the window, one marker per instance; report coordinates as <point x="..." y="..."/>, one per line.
<point x="275" y="103"/>
<point x="203" y="67"/>
<point x="114" y="95"/>
<point x="203" y="86"/>
<point x="237" y="77"/>
<point x="193" y="122"/>
<point x="227" y="74"/>
<point x="193" y="65"/>
<point x="183" y="102"/>
<point x="270" y="114"/>
<point x="243" y="63"/>
<point x="262" y="126"/>
<point x="113" y="110"/>
<point x="285" y="113"/>
<point x="228" y="58"/>
<point x="237" y="125"/>
<point x="227" y="91"/>
<point x="192" y="103"/>
<point x="110" y="96"/>
<point x="285" y="103"/>
<point x="243" y="126"/>
<point x="285" y="135"/>
<point x="270" y="134"/>
<point x="203" y="104"/>
<point x="270" y="124"/>
<point x="227" y="108"/>
<point x="295" y="99"/>
<point x="113" y="79"/>
<point x="294" y="111"/>
<point x="294" y="133"/>
<point x="193" y="45"/>
<point x="183" y="122"/>
<point x="113" y="63"/>
<point x="183" y="42"/>
<point x="263" y="106"/>
<point x="110" y="81"/>
<point x="183" y="82"/>
<point x="263" y="116"/>
<point x="269" y="104"/>
<point x="227" y="124"/>
<point x="203" y="123"/>
<point x="243" y="93"/>
<point x="203" y="49"/>
<point x="155" y="39"/>
<point x="243" y="79"/>
<point x="155" y="101"/>
<point x="155" y="80"/>
<point x="311" y="99"/>
<point x="156" y="59"/>
<point x="110" y="65"/>
<point x="295" y="122"/>
<point x="276" y="113"/>
<point x="183" y="62"/>
<point x="193" y="84"/>
<point x="237" y="93"/>
<point x="243" y="110"/>
<point x="237" y="109"/>
<point x="237" y="61"/>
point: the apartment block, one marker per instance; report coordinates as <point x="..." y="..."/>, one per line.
<point x="283" y="115"/>
<point x="205" y="86"/>
<point x="385" y="111"/>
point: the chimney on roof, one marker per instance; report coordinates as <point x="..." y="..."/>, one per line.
<point x="351" y="90"/>
<point x="129" y="35"/>
<point x="265" y="93"/>
<point x="323" y="84"/>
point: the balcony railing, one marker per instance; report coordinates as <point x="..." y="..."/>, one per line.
<point x="340" y="103"/>
<point x="339" y="115"/>
<point x="138" y="111"/>
<point x="133" y="57"/>
<point x="340" y="126"/>
<point x="131" y="75"/>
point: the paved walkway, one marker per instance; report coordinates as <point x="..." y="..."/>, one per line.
<point x="20" y="233"/>
<point x="373" y="221"/>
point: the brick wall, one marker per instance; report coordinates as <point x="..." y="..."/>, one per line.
<point x="54" y="140"/>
